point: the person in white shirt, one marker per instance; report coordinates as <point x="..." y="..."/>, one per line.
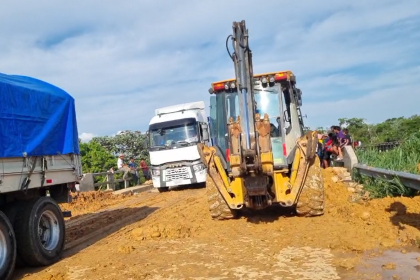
<point x="122" y="166"/>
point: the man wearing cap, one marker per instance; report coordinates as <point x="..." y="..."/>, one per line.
<point x="122" y="166"/>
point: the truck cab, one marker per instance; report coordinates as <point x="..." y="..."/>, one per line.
<point x="173" y="135"/>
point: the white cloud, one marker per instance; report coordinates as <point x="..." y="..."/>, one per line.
<point x="122" y="60"/>
<point x="86" y="136"/>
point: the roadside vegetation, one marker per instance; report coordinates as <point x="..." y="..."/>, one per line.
<point x="404" y="158"/>
<point x="101" y="153"/>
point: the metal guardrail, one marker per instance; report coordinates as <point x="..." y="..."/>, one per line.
<point x="381" y="147"/>
<point x="88" y="181"/>
<point x="110" y="180"/>
<point x="407" y="179"/>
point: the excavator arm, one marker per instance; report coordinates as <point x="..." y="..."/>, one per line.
<point x="242" y="130"/>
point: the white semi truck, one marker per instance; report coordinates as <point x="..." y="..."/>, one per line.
<point x="173" y="135"/>
<point x="39" y="166"/>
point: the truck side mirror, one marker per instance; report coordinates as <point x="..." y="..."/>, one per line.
<point x="299" y="97"/>
<point x="147" y="140"/>
<point x="205" y="132"/>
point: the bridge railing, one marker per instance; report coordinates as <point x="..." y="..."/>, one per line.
<point x="87" y="183"/>
<point x="382" y="147"/>
<point x="407" y="179"/>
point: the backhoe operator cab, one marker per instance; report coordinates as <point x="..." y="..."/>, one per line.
<point x="291" y="173"/>
<point x="276" y="95"/>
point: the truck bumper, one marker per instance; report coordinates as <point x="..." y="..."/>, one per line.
<point x="200" y="177"/>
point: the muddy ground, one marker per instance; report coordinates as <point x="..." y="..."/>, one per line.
<point x="171" y="236"/>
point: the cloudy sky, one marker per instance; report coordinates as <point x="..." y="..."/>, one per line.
<point x="122" y="59"/>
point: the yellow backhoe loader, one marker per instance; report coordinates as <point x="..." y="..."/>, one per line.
<point x="259" y="153"/>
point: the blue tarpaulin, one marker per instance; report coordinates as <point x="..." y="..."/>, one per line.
<point x="36" y="118"/>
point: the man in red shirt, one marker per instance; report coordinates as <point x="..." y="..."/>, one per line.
<point x="145" y="169"/>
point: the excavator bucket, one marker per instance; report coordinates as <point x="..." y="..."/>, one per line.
<point x="218" y="206"/>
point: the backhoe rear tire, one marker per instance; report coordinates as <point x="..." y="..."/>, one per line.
<point x="219" y="209"/>
<point x="311" y="201"/>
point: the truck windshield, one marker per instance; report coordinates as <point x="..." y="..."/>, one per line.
<point x="174" y="135"/>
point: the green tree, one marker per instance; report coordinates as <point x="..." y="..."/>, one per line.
<point x="95" y="158"/>
<point x="394" y="129"/>
<point x="130" y="143"/>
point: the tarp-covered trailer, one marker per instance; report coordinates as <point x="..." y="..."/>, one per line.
<point x="39" y="166"/>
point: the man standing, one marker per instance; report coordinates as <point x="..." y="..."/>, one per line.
<point x="145" y="169"/>
<point x="133" y="170"/>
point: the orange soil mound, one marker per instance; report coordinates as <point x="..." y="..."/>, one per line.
<point x="87" y="202"/>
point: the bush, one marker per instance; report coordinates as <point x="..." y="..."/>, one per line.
<point x="404" y="158"/>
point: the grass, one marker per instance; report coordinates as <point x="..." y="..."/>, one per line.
<point x="404" y="158"/>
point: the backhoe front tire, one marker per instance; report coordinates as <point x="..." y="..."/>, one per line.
<point x="311" y="201"/>
<point x="219" y="209"/>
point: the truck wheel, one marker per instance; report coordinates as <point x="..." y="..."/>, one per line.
<point x="163" y="189"/>
<point x="7" y="248"/>
<point x="40" y="232"/>
<point x="11" y="211"/>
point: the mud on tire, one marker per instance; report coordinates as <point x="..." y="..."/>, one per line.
<point x="219" y="209"/>
<point x="311" y="201"/>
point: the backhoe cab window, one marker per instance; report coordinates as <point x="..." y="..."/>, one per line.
<point x="224" y="105"/>
<point x="173" y="135"/>
<point x="267" y="102"/>
<point x="218" y="119"/>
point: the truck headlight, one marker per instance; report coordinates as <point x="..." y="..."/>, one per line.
<point x="155" y="172"/>
<point x="199" y="167"/>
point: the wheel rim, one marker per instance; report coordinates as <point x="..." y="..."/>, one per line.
<point x="3" y="249"/>
<point x="48" y="230"/>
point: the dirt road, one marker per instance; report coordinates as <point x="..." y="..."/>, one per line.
<point x="171" y="236"/>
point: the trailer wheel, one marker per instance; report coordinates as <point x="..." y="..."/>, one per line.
<point x="7" y="247"/>
<point x="40" y="232"/>
<point x="11" y="211"/>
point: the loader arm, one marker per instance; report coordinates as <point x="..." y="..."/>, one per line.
<point x="306" y="177"/>
<point x="222" y="204"/>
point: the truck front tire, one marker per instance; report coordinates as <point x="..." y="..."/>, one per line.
<point x="40" y="232"/>
<point x="7" y="248"/>
<point x="163" y="189"/>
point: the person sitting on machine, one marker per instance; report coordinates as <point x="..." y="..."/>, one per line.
<point x="274" y="132"/>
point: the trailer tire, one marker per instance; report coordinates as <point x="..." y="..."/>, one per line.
<point x="163" y="189"/>
<point x="40" y="232"/>
<point x="11" y="211"/>
<point x="7" y="248"/>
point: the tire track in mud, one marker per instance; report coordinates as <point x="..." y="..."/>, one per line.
<point x="86" y="218"/>
<point x="87" y="229"/>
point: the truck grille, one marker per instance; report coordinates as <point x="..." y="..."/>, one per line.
<point x="177" y="174"/>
